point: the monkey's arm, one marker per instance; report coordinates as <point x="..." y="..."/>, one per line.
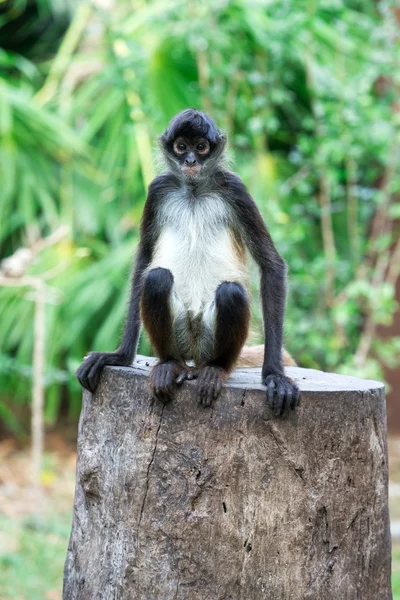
<point x="90" y="370"/>
<point x="282" y="392"/>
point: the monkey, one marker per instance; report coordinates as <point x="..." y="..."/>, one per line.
<point x="189" y="286"/>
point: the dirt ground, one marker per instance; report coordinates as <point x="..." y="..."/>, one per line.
<point x="18" y="494"/>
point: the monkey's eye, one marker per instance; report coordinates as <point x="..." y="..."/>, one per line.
<point x="179" y="147"/>
<point x="203" y="148"/>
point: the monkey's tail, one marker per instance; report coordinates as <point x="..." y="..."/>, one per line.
<point x="253" y="356"/>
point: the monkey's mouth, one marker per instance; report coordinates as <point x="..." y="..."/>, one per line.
<point x="192" y="171"/>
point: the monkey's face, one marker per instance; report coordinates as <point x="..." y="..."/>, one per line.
<point x="192" y="146"/>
<point x="191" y="154"/>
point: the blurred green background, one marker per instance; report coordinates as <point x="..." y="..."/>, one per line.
<point x="307" y="92"/>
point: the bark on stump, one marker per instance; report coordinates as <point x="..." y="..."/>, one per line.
<point x="179" y="502"/>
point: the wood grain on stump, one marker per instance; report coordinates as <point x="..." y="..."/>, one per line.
<point x="179" y="502"/>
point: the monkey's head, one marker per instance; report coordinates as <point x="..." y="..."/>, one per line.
<point x="192" y="144"/>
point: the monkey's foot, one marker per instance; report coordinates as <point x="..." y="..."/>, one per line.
<point x="282" y="393"/>
<point x="210" y="380"/>
<point x="164" y="376"/>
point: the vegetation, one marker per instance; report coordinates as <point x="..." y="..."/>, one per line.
<point x="32" y="556"/>
<point x="307" y="94"/>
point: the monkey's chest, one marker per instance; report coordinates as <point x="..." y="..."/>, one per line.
<point x="200" y="258"/>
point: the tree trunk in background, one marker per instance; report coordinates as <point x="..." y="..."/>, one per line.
<point x="178" y="502"/>
<point x="392" y="374"/>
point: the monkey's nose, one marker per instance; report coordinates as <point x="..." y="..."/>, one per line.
<point x="190" y="161"/>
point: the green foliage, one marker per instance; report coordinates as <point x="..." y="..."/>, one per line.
<point x="32" y="556"/>
<point x="306" y="92"/>
<point x="396" y="572"/>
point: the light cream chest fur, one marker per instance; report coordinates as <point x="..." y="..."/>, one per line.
<point x="197" y="245"/>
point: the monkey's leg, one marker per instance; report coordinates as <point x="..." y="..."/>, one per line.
<point x="158" y="322"/>
<point x="232" y="318"/>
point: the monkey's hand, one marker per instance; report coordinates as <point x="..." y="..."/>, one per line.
<point x="90" y="370"/>
<point x="282" y="393"/>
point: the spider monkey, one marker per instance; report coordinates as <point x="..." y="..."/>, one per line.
<point x="189" y="285"/>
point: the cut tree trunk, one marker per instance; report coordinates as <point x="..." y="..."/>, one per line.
<point x="179" y="502"/>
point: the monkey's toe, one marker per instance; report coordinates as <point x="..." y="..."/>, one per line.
<point x="186" y="373"/>
<point x="164" y="376"/>
<point x="282" y="394"/>
<point x="210" y="382"/>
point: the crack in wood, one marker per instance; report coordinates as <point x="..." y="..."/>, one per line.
<point x="280" y="443"/>
<point x="242" y="400"/>
<point x="148" y="474"/>
<point x="256" y="531"/>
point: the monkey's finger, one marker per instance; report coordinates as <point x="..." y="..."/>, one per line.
<point x="200" y="379"/>
<point x="80" y="372"/>
<point x="159" y="377"/>
<point x="167" y="380"/>
<point x="83" y="373"/>
<point x="289" y="400"/>
<point x="207" y="396"/>
<point x="158" y="388"/>
<point x="203" y="393"/>
<point x="170" y="377"/>
<point x="204" y="375"/>
<point x="212" y="377"/>
<point x="160" y="391"/>
<point x="200" y="393"/>
<point x="295" y="398"/>
<point x="217" y="388"/>
<point x="193" y="374"/>
<point x="82" y="379"/>
<point x="161" y="372"/>
<point x="212" y="389"/>
<point x="271" y="394"/>
<point x="94" y="374"/>
<point x="278" y="405"/>
<point x="93" y="377"/>
<point x="162" y="381"/>
<point x="208" y="401"/>
<point x="280" y="399"/>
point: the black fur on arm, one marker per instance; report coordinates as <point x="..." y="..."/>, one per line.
<point x="90" y="370"/>
<point x="281" y="391"/>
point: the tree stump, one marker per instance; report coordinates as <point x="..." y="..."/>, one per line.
<point x="180" y="502"/>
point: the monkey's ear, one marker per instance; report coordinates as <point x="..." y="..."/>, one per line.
<point x="162" y="139"/>
<point x="222" y="138"/>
